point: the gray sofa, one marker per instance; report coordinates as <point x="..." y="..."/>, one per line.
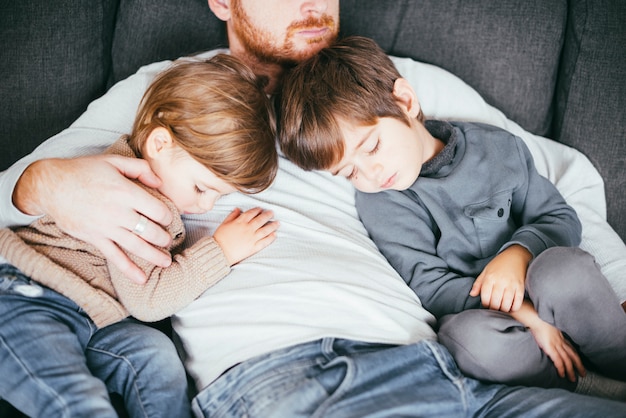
<point x="556" y="67"/>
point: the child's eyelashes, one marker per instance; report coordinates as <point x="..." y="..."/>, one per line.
<point x="198" y="190"/>
<point x="376" y="148"/>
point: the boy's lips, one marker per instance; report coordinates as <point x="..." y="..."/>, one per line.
<point x="390" y="181"/>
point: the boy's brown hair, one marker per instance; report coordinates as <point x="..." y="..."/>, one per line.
<point x="351" y="80"/>
<point x="215" y="110"/>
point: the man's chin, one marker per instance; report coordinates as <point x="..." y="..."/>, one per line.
<point x="307" y="48"/>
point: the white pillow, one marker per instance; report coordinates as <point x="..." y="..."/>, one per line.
<point x="442" y="95"/>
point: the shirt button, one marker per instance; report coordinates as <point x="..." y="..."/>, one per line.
<point x="500" y="213"/>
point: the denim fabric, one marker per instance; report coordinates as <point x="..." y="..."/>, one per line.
<point x="341" y="378"/>
<point x="54" y="362"/>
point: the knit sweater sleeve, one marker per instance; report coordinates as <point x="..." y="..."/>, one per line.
<point x="168" y="290"/>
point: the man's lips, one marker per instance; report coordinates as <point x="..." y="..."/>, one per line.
<point x="313" y="32"/>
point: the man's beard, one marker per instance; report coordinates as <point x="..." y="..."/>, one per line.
<point x="261" y="45"/>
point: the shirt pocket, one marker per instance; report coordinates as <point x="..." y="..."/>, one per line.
<point x="492" y="221"/>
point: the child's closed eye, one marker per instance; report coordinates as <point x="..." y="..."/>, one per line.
<point x="376" y="148"/>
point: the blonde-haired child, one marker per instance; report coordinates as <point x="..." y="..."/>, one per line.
<point x="206" y="128"/>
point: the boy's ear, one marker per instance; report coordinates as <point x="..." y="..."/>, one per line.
<point x="157" y="142"/>
<point x="406" y="97"/>
<point x="221" y="9"/>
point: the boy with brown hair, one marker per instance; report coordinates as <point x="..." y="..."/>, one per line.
<point x="207" y="129"/>
<point x="461" y="213"/>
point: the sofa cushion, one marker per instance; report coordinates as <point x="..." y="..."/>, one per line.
<point x="591" y="96"/>
<point x="51" y="70"/>
<point x="507" y="50"/>
<point x="147" y="33"/>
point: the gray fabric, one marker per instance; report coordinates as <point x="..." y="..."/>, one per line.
<point x="507" y="50"/>
<point x="55" y="56"/>
<point x="569" y="292"/>
<point x="440" y="233"/>
<point x="591" y="96"/>
<point x="148" y="32"/>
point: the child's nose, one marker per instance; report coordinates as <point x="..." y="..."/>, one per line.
<point x="208" y="201"/>
<point x="374" y="170"/>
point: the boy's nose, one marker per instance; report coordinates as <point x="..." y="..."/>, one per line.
<point x="373" y="172"/>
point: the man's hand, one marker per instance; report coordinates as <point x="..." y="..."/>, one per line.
<point x="501" y="283"/>
<point x="92" y="199"/>
<point x="242" y="234"/>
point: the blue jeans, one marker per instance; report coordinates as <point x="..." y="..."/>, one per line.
<point x="341" y="378"/>
<point x="54" y="362"/>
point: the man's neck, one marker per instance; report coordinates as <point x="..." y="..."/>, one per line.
<point x="273" y="71"/>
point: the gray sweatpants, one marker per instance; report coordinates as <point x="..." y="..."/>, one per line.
<point x="569" y="292"/>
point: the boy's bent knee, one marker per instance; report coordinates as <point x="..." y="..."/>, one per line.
<point x="560" y="268"/>
<point x="490" y="345"/>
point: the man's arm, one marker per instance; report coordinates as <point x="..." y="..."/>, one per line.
<point x="90" y="197"/>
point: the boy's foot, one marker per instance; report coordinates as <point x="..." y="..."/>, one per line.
<point x="594" y="384"/>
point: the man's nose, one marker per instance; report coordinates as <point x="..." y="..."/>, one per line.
<point x="314" y="7"/>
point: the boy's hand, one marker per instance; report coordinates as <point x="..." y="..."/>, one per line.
<point x="551" y="341"/>
<point x="501" y="283"/>
<point x="244" y="234"/>
<point x="558" y="349"/>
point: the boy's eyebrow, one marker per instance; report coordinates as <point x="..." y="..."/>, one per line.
<point x="359" y="145"/>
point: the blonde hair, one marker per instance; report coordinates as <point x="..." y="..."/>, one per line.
<point x="352" y="79"/>
<point x="217" y="111"/>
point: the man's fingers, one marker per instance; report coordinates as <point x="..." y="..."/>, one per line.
<point x="148" y="231"/>
<point x="140" y="247"/>
<point x="118" y="258"/>
<point x="152" y="208"/>
<point x="135" y="168"/>
<point x="143" y="202"/>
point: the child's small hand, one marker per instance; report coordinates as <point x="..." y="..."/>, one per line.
<point x="558" y="349"/>
<point x="501" y="283"/>
<point x="244" y="234"/>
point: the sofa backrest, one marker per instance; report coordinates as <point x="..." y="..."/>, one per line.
<point x="55" y="59"/>
<point x="58" y="56"/>
<point x="508" y="50"/>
